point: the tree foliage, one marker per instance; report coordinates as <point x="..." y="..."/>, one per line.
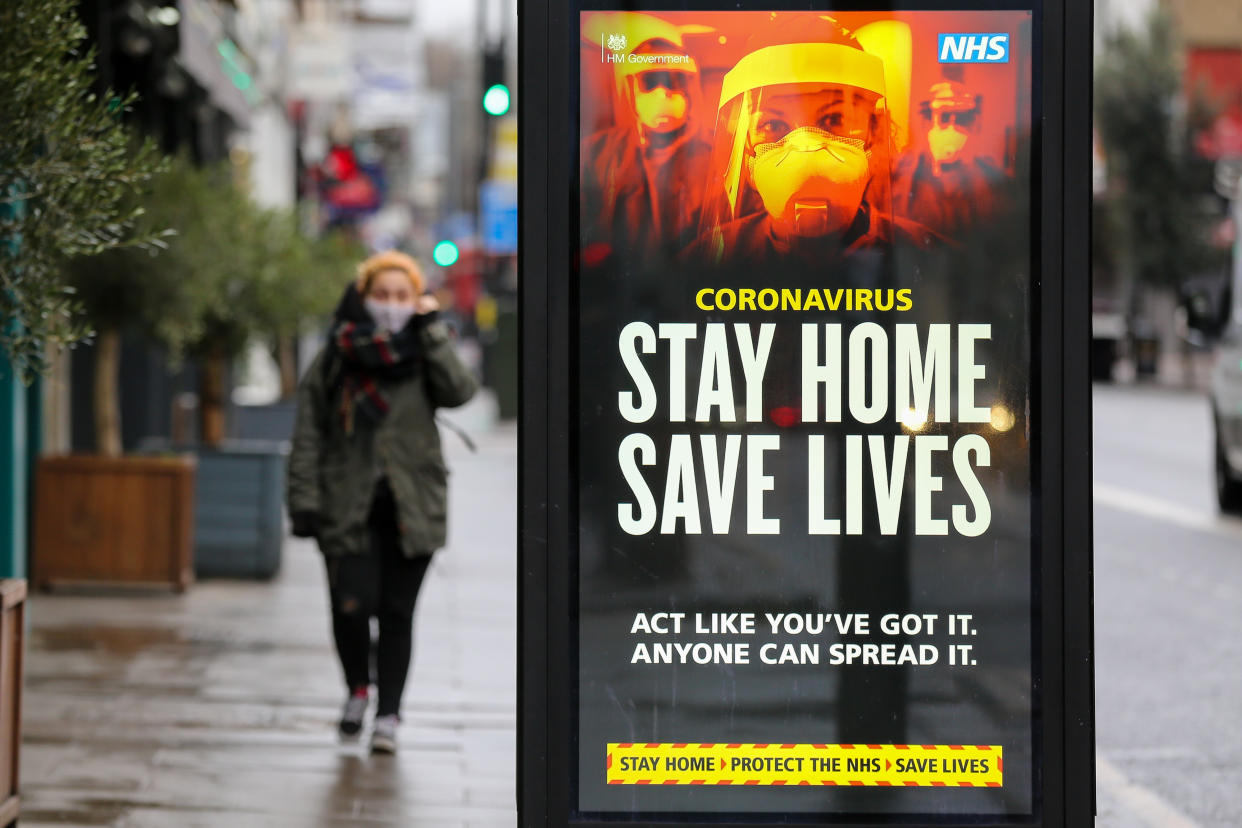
<point x="302" y="277"/>
<point x="146" y="290"/>
<point x="278" y="277"/>
<point x="1154" y="212"/>
<point x="231" y="272"/>
<point x="68" y="175"/>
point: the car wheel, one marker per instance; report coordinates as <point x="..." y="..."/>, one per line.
<point x="1228" y="489"/>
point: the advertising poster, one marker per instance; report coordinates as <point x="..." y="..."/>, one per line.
<point x="805" y="561"/>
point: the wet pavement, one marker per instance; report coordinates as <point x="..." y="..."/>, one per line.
<point x="218" y="707"/>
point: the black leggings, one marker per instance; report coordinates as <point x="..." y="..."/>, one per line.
<point x="383" y="584"/>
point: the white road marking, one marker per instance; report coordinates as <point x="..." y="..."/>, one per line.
<point x="1141" y="803"/>
<point x="1163" y="753"/>
<point x="1167" y="511"/>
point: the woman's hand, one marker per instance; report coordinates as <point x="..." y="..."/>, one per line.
<point x="305" y="524"/>
<point x="426" y="304"/>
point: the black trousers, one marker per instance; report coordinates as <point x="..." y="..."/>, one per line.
<point x="383" y="584"/>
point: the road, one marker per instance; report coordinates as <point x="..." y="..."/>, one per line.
<point x="1168" y="592"/>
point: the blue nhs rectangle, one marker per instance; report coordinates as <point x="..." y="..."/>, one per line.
<point x="974" y="47"/>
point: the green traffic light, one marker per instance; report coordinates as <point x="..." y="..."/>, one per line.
<point x="444" y="253"/>
<point x="496" y="100"/>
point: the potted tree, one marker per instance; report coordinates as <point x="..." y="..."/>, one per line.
<point x="272" y="279"/>
<point x="108" y="517"/>
<point x="258" y="292"/>
<point x="308" y="282"/>
<point x="66" y="170"/>
<point x="232" y="272"/>
<point x="70" y="180"/>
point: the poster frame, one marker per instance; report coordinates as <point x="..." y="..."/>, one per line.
<point x="1061" y="392"/>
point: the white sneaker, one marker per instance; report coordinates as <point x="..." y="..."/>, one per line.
<point x="384" y="735"/>
<point x="352" y="715"/>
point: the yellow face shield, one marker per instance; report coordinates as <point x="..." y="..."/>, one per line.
<point x="801" y="136"/>
<point x="822" y="64"/>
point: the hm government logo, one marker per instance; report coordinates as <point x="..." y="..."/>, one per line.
<point x="974" y="48"/>
<point x="614" y="48"/>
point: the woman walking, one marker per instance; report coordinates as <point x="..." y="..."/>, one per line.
<point x="366" y="476"/>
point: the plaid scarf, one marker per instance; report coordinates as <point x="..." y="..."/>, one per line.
<point x="362" y="356"/>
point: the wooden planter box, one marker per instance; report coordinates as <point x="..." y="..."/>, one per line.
<point x="124" y="520"/>
<point x="12" y="649"/>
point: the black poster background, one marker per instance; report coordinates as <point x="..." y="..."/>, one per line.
<point x="984" y="275"/>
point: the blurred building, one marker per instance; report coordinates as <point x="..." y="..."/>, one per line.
<point x="369" y="131"/>
<point x="1209" y="37"/>
<point x="341" y="109"/>
<point x="195" y="84"/>
<point x="1112" y="15"/>
<point x="1211" y="32"/>
<point x="208" y="76"/>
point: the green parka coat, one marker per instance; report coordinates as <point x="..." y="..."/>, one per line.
<point x="333" y="474"/>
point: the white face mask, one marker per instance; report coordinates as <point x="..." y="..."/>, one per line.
<point x="811" y="183"/>
<point x="660" y="109"/>
<point x="945" y="143"/>
<point x="391" y="316"/>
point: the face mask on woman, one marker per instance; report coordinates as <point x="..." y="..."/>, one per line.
<point x="391" y="316"/>
<point x="811" y="182"/>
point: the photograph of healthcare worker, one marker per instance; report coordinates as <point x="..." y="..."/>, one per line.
<point x="642" y="174"/>
<point x="952" y="185"/>
<point x="802" y="150"/>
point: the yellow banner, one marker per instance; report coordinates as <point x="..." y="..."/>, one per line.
<point x="965" y="766"/>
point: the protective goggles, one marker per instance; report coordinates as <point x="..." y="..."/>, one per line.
<point x="837" y="112"/>
<point x="946" y="118"/>
<point x="651" y="81"/>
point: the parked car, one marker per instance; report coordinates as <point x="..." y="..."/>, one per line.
<point x="1227" y="419"/>
<point x="1206" y="304"/>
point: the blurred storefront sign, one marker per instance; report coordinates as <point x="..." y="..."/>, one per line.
<point x="1222" y="140"/>
<point x="350" y="187"/>
<point x="386" y="75"/>
<point x="431" y="134"/>
<point x="320" y="68"/>
<point x="458" y="226"/>
<point x="498" y="209"/>
<point x="215" y="61"/>
<point x="1215" y="75"/>
<point x="504" y="160"/>
<point x="370" y="65"/>
<point x="386" y="9"/>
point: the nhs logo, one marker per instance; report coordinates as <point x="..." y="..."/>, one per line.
<point x="974" y="48"/>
